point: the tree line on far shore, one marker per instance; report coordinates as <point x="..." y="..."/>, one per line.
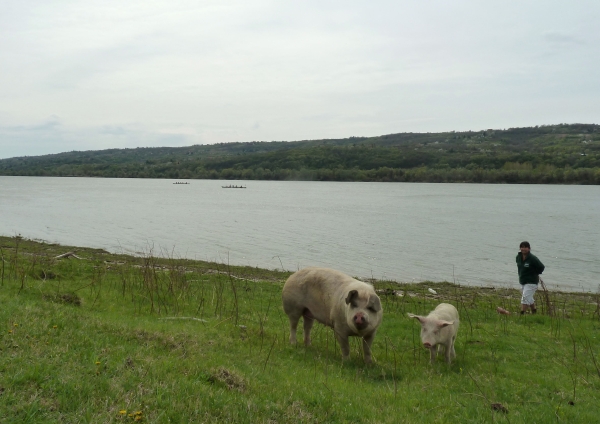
<point x="556" y="154"/>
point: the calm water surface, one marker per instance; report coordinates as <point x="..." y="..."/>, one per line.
<point x="468" y="233"/>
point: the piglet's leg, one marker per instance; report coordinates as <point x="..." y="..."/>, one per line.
<point x="433" y="353"/>
<point x="448" y="350"/>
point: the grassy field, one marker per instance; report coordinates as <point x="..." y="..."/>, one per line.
<point x="100" y="338"/>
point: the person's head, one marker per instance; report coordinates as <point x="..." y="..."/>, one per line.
<point x="525" y="247"/>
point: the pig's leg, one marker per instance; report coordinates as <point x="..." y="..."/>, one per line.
<point x="308" y="323"/>
<point x="344" y="344"/>
<point x="367" y="341"/>
<point x="293" y="326"/>
<point x="452" y="347"/>
<point x="433" y="353"/>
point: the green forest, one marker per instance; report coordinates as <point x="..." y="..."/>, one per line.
<point x="549" y="154"/>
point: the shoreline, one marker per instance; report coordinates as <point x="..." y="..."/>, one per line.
<point x="56" y="249"/>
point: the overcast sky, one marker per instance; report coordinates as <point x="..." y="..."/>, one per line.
<point x="91" y="75"/>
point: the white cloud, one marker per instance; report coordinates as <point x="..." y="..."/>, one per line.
<point x="126" y="74"/>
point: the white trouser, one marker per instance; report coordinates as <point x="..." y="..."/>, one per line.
<point x="528" y="290"/>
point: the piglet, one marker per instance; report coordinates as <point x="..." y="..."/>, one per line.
<point x="439" y="328"/>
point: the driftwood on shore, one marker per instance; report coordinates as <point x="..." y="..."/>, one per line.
<point x="192" y="318"/>
<point x="67" y="255"/>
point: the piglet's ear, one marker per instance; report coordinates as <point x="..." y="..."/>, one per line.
<point x="442" y="324"/>
<point x="420" y="318"/>
<point x="353" y="294"/>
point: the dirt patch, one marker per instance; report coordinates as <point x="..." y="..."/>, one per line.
<point x="228" y="378"/>
<point x="47" y="275"/>
<point x="68" y="298"/>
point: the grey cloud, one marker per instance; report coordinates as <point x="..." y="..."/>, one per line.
<point x="42" y="138"/>
<point x="562" y="40"/>
<point x="113" y="130"/>
<point x="50" y="125"/>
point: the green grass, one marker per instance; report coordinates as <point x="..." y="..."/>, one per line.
<point x="187" y="341"/>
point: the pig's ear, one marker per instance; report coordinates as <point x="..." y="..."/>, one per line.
<point x="420" y="318"/>
<point x="442" y="324"/>
<point x="376" y="304"/>
<point x="353" y="294"/>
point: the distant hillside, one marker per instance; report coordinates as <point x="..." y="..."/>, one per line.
<point x="554" y="154"/>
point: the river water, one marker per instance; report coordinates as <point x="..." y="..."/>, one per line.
<point x="467" y="233"/>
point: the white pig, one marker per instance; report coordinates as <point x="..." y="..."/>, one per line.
<point x="439" y="328"/>
<point x="349" y="306"/>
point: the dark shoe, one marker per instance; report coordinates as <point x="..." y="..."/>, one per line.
<point x="533" y="311"/>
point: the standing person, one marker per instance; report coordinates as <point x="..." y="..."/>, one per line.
<point x="530" y="268"/>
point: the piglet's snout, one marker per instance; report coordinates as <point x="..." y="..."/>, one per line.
<point x="360" y="321"/>
<point x="427" y="345"/>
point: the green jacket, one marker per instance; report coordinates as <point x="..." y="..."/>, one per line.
<point x="529" y="269"/>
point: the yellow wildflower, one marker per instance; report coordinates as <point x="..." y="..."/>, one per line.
<point x="54" y="326"/>
<point x="123" y="411"/>
<point x="15" y="324"/>
<point x="138" y="417"/>
<point x="9" y="331"/>
<point x="97" y="362"/>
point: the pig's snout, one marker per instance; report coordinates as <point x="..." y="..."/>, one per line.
<point x="427" y="345"/>
<point x="360" y="321"/>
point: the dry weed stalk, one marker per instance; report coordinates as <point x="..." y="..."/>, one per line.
<point x="549" y="305"/>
